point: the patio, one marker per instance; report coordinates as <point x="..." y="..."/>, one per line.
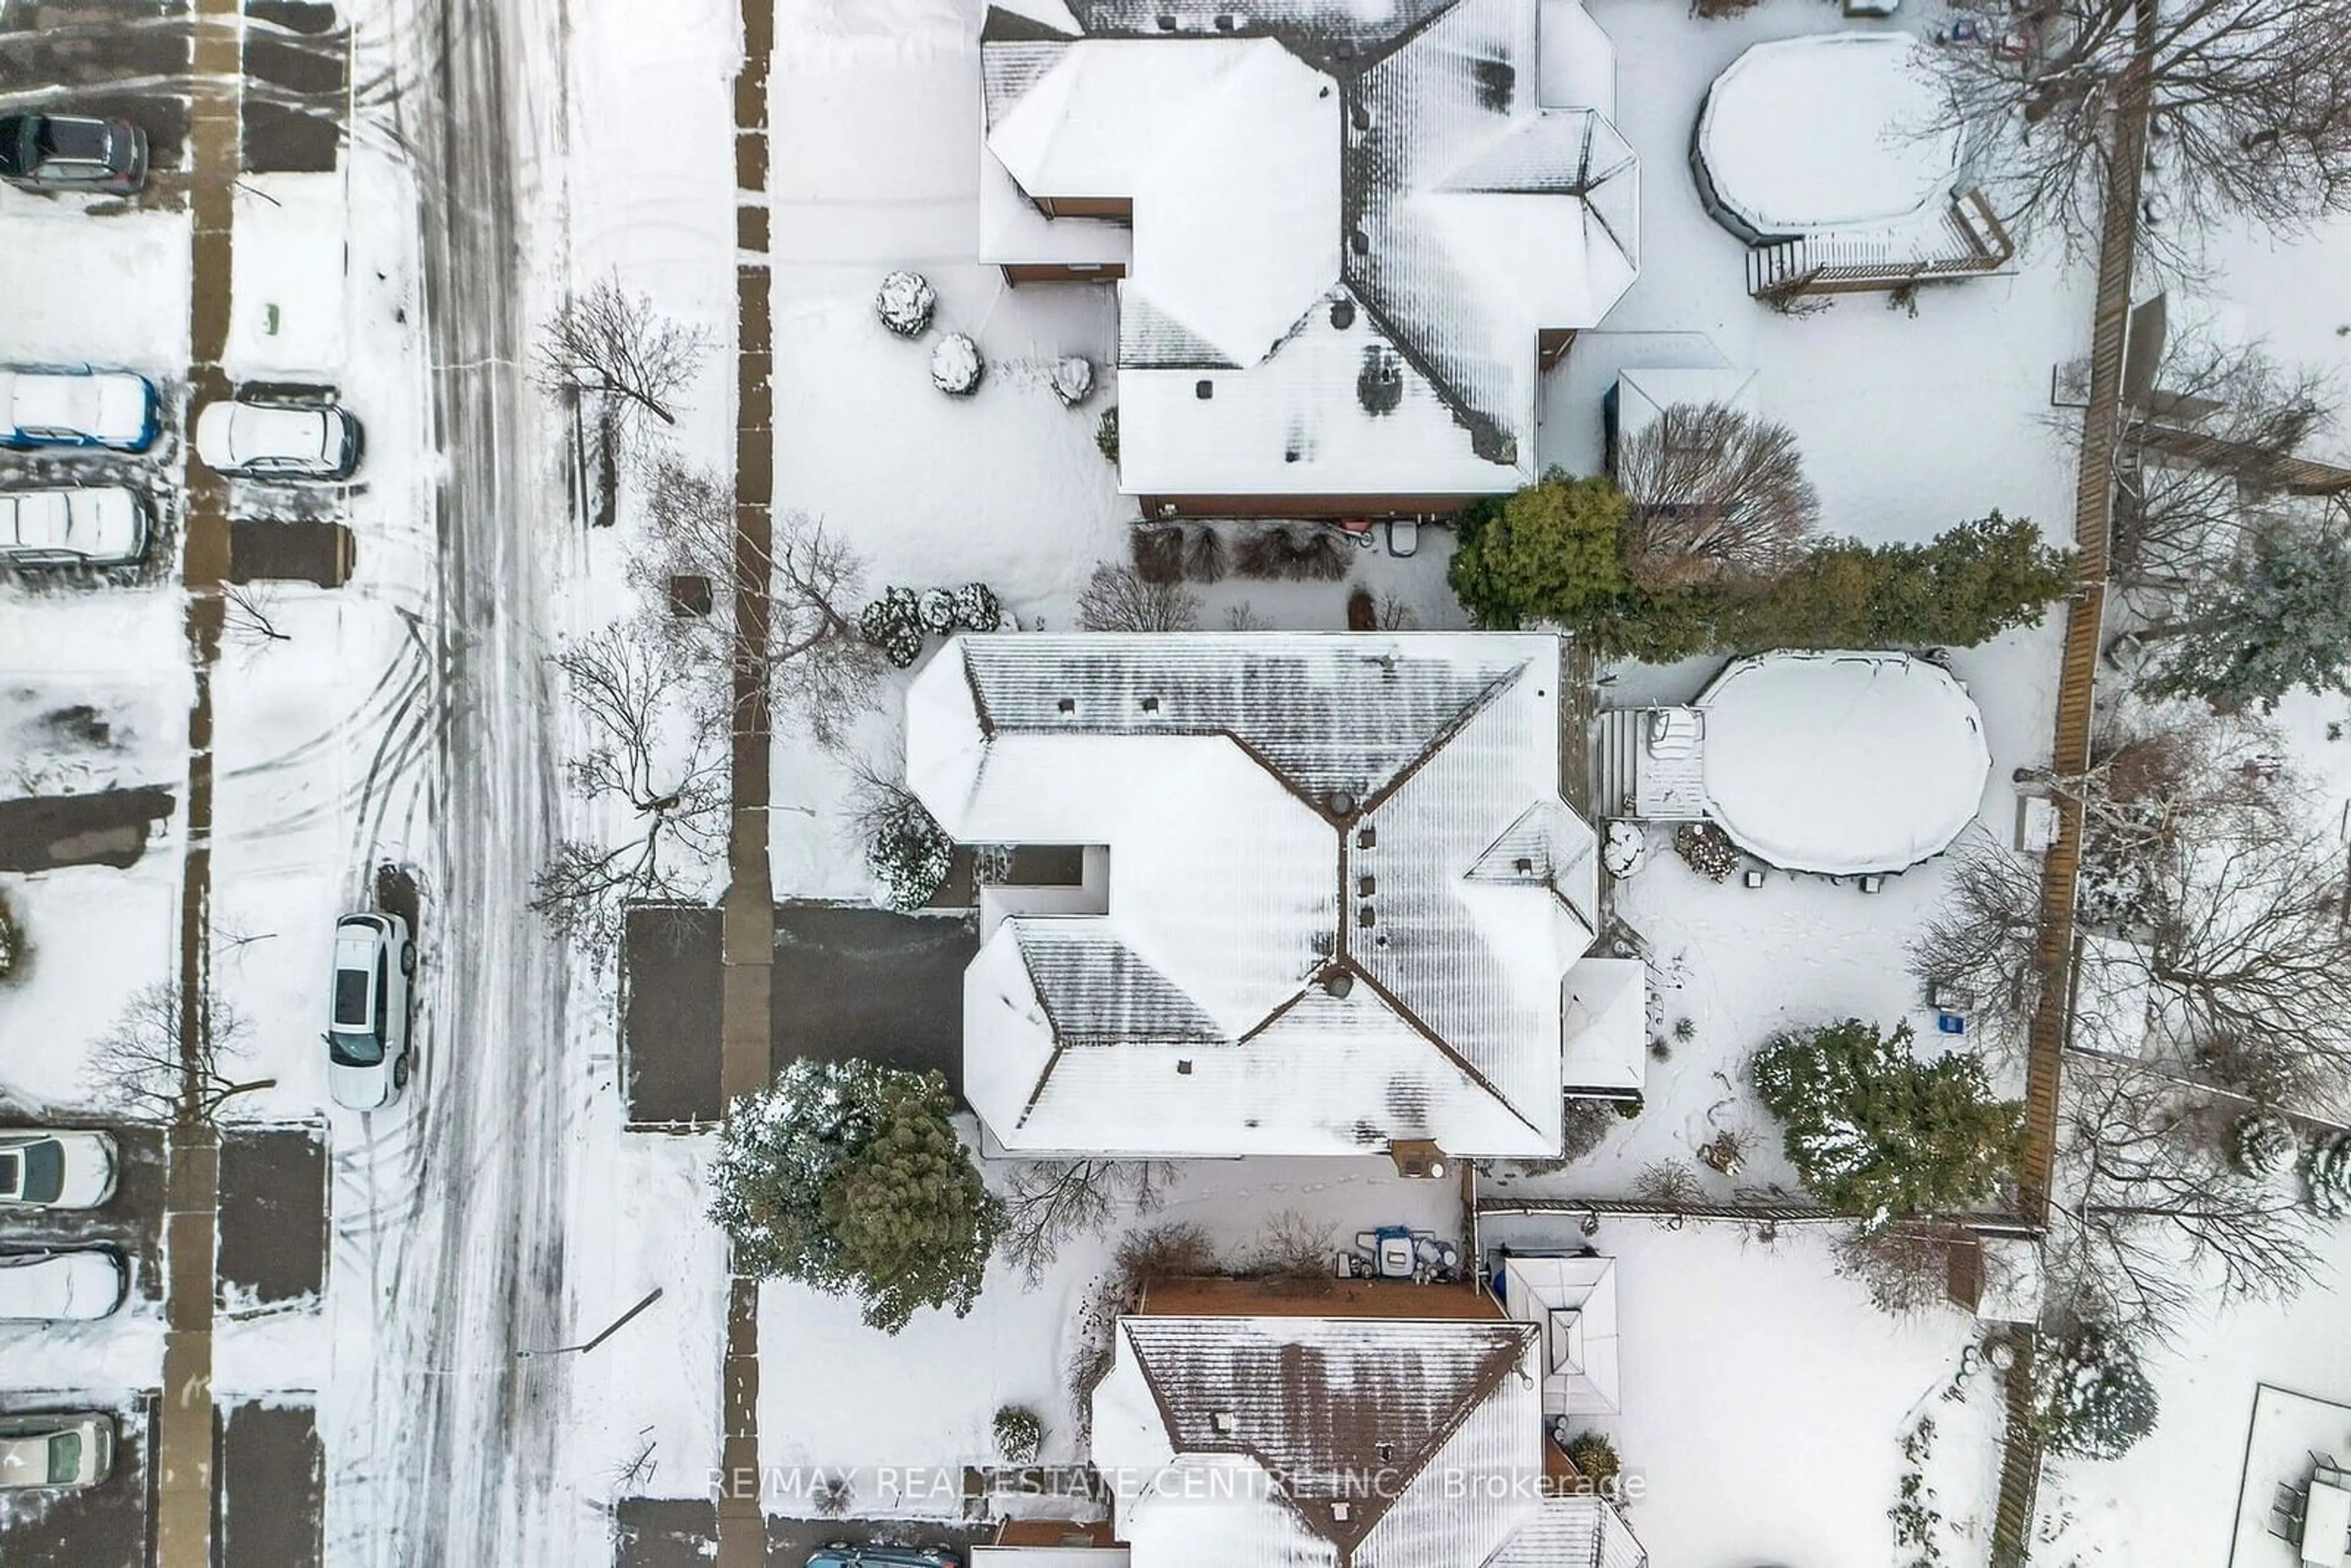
<point x="2293" y="1502"/>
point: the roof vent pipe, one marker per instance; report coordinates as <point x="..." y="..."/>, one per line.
<point x="1339" y="985"/>
<point x="1343" y="803"/>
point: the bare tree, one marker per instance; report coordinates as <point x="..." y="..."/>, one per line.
<point x="1118" y="599"/>
<point x="150" y="1066"/>
<point x="2149" y="1215"/>
<point x="1716" y="495"/>
<point x="657" y="751"/>
<point x="1050" y="1202"/>
<point x="2220" y="431"/>
<point x="1984" y="943"/>
<point x="1904" y="1268"/>
<point x="249" y="614"/>
<point x="612" y="351"/>
<point x="810" y="653"/>
<point x="2249" y="106"/>
<point x="614" y="346"/>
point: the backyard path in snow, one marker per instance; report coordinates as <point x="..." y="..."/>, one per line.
<point x="449" y="1456"/>
<point x="2020" y="1460"/>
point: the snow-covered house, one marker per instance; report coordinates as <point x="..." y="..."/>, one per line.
<point x="1845" y="764"/>
<point x="1833" y="156"/>
<point x="1409" y="1441"/>
<point x="1332" y="893"/>
<point x="1347" y="239"/>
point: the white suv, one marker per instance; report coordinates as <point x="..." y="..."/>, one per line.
<point x="59" y="1287"/>
<point x="367" y="1016"/>
<point x="55" y="1170"/>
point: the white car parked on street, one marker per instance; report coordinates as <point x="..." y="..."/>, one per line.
<point x="62" y="1286"/>
<point x="76" y="408"/>
<point x="366" y="1019"/>
<point x="253" y="440"/>
<point x="55" y="1169"/>
<point x="67" y="1450"/>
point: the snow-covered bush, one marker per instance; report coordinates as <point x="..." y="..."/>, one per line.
<point x="2096" y="1402"/>
<point x="956" y="368"/>
<point x="2261" y="1144"/>
<point x="1624" y="850"/>
<point x="12" y="939"/>
<point x="909" y="854"/>
<point x="894" y="625"/>
<point x="1019" y="1435"/>
<point x="2327" y="1168"/>
<point x="935" y="609"/>
<point x="1876" y="1133"/>
<point x="905" y="302"/>
<point x="1073" y="380"/>
<point x="976" y="609"/>
<point x="1707" y="849"/>
<point x="1106" y="434"/>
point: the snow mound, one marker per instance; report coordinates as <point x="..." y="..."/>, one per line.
<point x="955" y="365"/>
<point x="905" y="302"/>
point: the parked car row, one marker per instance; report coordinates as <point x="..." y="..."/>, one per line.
<point x="118" y="411"/>
<point x="59" y="1168"/>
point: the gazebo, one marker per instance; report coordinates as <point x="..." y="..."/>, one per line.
<point x="1573" y="1301"/>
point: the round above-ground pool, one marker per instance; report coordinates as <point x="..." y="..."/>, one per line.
<point x="1842" y="763"/>
<point x="1810" y="135"/>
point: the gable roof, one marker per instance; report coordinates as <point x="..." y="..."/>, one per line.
<point x="1343" y="889"/>
<point x="1301" y="167"/>
<point x="1346" y="1441"/>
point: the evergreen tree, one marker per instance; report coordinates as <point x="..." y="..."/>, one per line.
<point x="2248" y="637"/>
<point x="1874" y="1132"/>
<point x="848" y="1177"/>
<point x="2096" y="1401"/>
<point x="1553" y="552"/>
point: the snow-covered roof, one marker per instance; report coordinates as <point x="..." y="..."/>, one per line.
<point x="1606" y="1026"/>
<point x="1342" y="888"/>
<point x="1350" y="224"/>
<point x="1572" y="1302"/>
<point x="1842" y="763"/>
<point x="1316" y="1439"/>
<point x="1645" y="392"/>
<point x="1832" y="131"/>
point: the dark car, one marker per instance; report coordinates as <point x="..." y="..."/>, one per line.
<point x="67" y="152"/>
<point x="841" y="1555"/>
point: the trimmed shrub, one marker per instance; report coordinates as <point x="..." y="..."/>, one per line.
<point x="1106" y="436"/>
<point x="1073" y="380"/>
<point x="2097" y="1403"/>
<point x="905" y="302"/>
<point x="976" y="609"/>
<point x="1594" y="1459"/>
<point x="12" y="939"/>
<point x="2327" y="1168"/>
<point x="1018" y="1434"/>
<point x="909" y="854"/>
<point x="1204" y="555"/>
<point x="893" y="623"/>
<point x="955" y="367"/>
<point x="1158" y="554"/>
<point x="934" y="610"/>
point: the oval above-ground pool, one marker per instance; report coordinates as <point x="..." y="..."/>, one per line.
<point x="1842" y="763"/>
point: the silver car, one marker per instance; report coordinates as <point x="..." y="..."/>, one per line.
<point x="88" y="525"/>
<point x="367" y="1027"/>
<point x="67" y="1451"/>
<point x="42" y="1170"/>
<point x="62" y="1287"/>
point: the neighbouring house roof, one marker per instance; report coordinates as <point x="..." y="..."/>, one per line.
<point x="1364" y="1441"/>
<point x="1841" y="763"/>
<point x="1572" y="1302"/>
<point x="1350" y="224"/>
<point x="1343" y="889"/>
